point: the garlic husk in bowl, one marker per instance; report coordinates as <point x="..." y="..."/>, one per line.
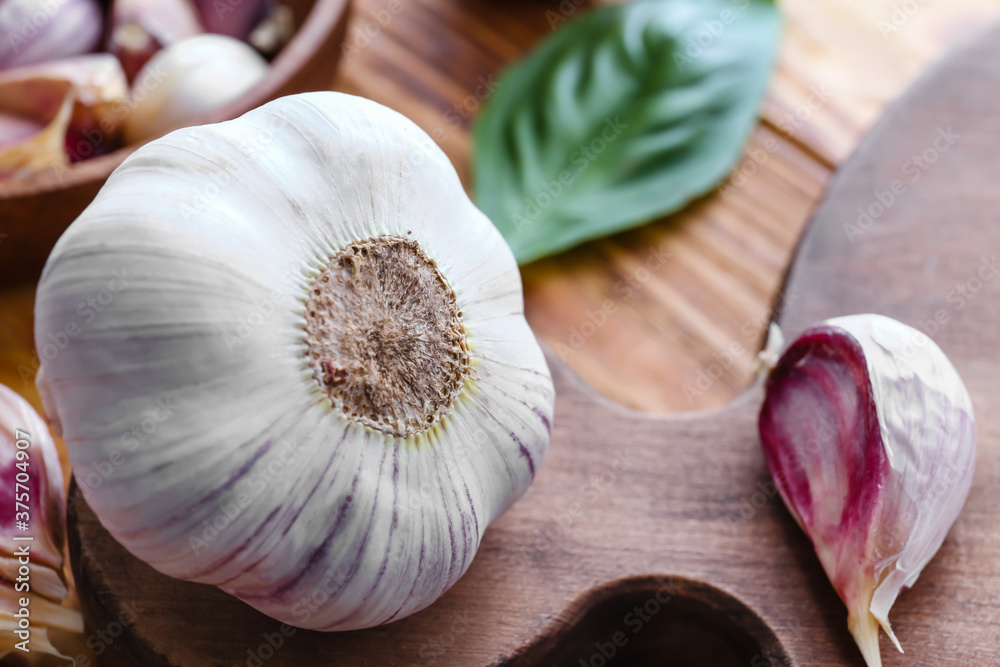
<point x="869" y="433"/>
<point x="313" y="368"/>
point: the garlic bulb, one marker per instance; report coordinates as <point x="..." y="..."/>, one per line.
<point x="188" y="79"/>
<point x="34" y="500"/>
<point x="302" y="372"/>
<point x="869" y="433"/>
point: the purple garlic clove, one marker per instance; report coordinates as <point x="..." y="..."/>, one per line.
<point x="32" y="491"/>
<point x="869" y="434"/>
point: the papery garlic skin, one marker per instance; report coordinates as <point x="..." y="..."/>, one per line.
<point x="236" y="467"/>
<point x="869" y="433"/>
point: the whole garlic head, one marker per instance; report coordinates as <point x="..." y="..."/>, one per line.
<point x="289" y="358"/>
<point x="869" y="433"/>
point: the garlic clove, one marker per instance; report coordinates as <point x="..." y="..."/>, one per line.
<point x="36" y="31"/>
<point x="329" y="451"/>
<point x="46" y="506"/>
<point x="273" y="32"/>
<point x="44" y="580"/>
<point x="99" y="86"/>
<point x="28" y="452"/>
<point x="188" y="79"/>
<point x="48" y="620"/>
<point x="73" y="105"/>
<point x="35" y="129"/>
<point x="869" y="434"/>
<point x="140" y="28"/>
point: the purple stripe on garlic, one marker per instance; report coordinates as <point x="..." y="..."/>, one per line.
<point x="869" y="433"/>
<point x="310" y="364"/>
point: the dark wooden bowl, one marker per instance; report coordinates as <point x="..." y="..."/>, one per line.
<point x="34" y="211"/>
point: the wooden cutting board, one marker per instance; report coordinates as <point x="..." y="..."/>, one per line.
<point x="659" y="539"/>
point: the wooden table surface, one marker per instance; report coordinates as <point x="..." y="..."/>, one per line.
<point x="841" y="62"/>
<point x="668" y="346"/>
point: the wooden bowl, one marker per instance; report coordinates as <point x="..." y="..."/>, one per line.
<point x="34" y="211"/>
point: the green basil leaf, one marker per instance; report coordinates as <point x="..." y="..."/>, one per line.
<point x="620" y="117"/>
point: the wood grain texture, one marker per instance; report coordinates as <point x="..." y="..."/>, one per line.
<point x="630" y="508"/>
<point x="838" y="67"/>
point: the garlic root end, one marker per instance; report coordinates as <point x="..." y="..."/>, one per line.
<point x="767" y="359"/>
<point x="864" y="628"/>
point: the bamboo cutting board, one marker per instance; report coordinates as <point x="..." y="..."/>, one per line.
<point x="651" y="540"/>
